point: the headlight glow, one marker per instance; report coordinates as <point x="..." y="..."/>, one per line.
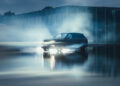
<point x="66" y="50"/>
<point x="53" y="51"/>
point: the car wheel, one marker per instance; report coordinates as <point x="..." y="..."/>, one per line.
<point x="46" y="55"/>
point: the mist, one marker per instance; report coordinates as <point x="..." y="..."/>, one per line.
<point x="79" y="22"/>
<point x="36" y="29"/>
<point x="45" y="24"/>
<point x="16" y="33"/>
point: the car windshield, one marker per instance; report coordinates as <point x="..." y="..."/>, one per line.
<point x="61" y="36"/>
<point x="70" y="36"/>
<point x="74" y="36"/>
<point x="77" y="36"/>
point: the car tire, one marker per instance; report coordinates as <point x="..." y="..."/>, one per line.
<point x="46" y="55"/>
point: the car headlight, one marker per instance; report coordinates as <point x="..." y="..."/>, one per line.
<point x="67" y="50"/>
<point x="53" y="51"/>
<point x="61" y="50"/>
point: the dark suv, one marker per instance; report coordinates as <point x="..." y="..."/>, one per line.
<point x="65" y="44"/>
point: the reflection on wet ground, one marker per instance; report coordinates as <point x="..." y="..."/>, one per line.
<point x="101" y="61"/>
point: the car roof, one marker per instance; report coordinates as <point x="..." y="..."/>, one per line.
<point x="72" y="33"/>
<point x="76" y="35"/>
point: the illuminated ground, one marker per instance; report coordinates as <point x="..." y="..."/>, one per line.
<point x="18" y="68"/>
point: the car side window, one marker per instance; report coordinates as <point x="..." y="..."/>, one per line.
<point x="69" y="36"/>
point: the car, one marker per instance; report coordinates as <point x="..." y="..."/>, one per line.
<point x="65" y="44"/>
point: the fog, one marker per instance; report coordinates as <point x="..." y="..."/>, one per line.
<point x="13" y="33"/>
<point x="79" y="22"/>
<point x="35" y="28"/>
<point x="22" y="30"/>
